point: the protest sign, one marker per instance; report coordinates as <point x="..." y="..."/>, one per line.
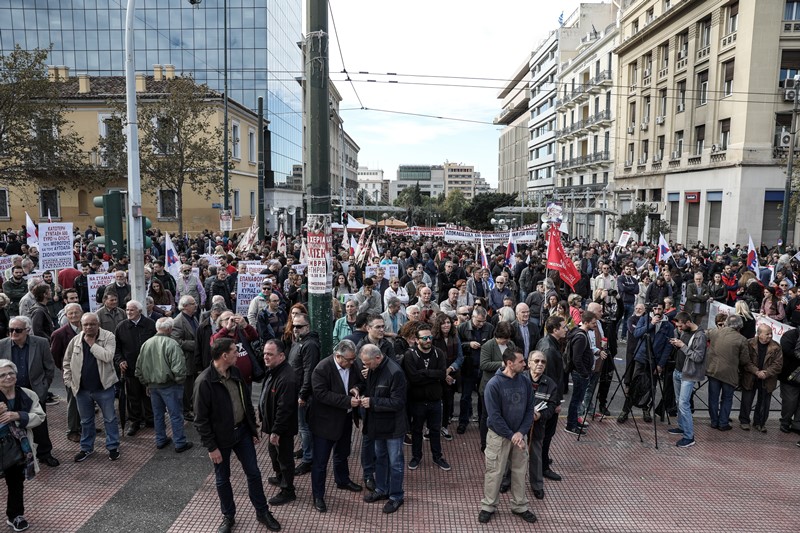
<point x="55" y="246"/>
<point x="5" y="263"/>
<point x="95" y="281"/>
<point x="249" y="285"/>
<point x="388" y="270"/>
<point x="318" y="258"/>
<point x="779" y="329"/>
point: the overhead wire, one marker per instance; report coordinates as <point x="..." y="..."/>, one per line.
<point x="341" y="56"/>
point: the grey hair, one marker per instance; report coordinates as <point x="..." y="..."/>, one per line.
<point x="34" y="281"/>
<point x="219" y="307"/>
<point x="345" y="346"/>
<point x="90" y="315"/>
<point x="8" y="362"/>
<point x="165" y="323"/>
<point x="479" y="312"/>
<point x="734" y="322"/>
<point x="68" y="307"/>
<point x="137" y="304"/>
<point x="392" y="300"/>
<point x="184" y="301"/>
<point x="370" y="350"/>
<point x="412" y="308"/>
<point x="25" y="320"/>
<point x="149" y="300"/>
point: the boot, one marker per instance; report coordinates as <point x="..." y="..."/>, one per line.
<point x="646" y="416"/>
<point x="623" y="417"/>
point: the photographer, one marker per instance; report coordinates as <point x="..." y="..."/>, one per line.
<point x="236" y="328"/>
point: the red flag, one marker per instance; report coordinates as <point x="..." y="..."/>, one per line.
<point x="557" y="259"/>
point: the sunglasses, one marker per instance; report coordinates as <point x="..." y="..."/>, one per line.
<point x="299" y="326"/>
<point x="425" y="337"/>
<point x="16" y="330"/>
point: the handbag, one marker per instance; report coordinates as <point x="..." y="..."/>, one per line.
<point x="10" y="452"/>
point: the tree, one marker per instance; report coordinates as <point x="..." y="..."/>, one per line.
<point x="409" y="197"/>
<point x="635" y="220"/>
<point x="37" y="144"/>
<point x="454" y="205"/>
<point x="478" y="214"/>
<point x="657" y="227"/>
<point x="178" y="144"/>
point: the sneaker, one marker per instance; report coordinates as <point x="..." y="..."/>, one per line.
<point x="527" y="516"/>
<point x="413" y="464"/>
<point x="575" y="431"/>
<point x="441" y="463"/>
<point x="583" y="422"/>
<point x="407" y="439"/>
<point x="685" y="443"/>
<point x="484" y="517"/>
<point x="426" y="435"/>
<point x="461" y="429"/>
<point x="675" y="431"/>
<point x="745" y="427"/>
<point x="113" y="455"/>
<point x="18" y="524"/>
<point x="446" y="434"/>
<point x="798" y="444"/>
<point x="82" y="456"/>
<point x="52" y="399"/>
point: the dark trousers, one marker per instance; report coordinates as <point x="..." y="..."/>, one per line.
<point x="41" y="436"/>
<point x="635" y="371"/>
<point x="790" y="405"/>
<point x="470" y="379"/>
<point x="483" y="421"/>
<point x="430" y="414"/>
<point x="536" y="464"/>
<point x="188" y="392"/>
<point x="15" y="480"/>
<point x="73" y="418"/>
<point x="246" y="453"/>
<point x="762" y="398"/>
<point x="448" y="403"/>
<point x="668" y="403"/>
<point x="282" y="457"/>
<point x="140" y="410"/>
<point x="322" y="452"/>
<point x="549" y="431"/>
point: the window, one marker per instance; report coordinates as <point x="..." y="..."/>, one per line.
<point x="110" y="127"/>
<point x="629" y="159"/>
<point x="655" y="194"/>
<point x="792" y="11"/>
<point x="681" y="95"/>
<point x="645" y="150"/>
<point x="700" y="139"/>
<point x="236" y="151"/>
<point x="164" y="136"/>
<point x="252" y="146"/>
<point x="648" y="66"/>
<point x="632" y="113"/>
<point x="635" y="27"/>
<point x="4" y="206"/>
<point x="237" y="212"/>
<point x="633" y="73"/>
<point x="727" y="84"/>
<point x="662" y="102"/>
<point x="253" y="203"/>
<point x="683" y="45"/>
<point x="660" y="143"/>
<point x="733" y="18"/>
<point x="49" y="204"/>
<point x="646" y="110"/>
<point x="790" y="65"/>
<point x="702" y="88"/>
<point x="679" y="142"/>
<point x="167" y="204"/>
<point x="704" y="33"/>
<point x="83" y="202"/>
<point x="663" y="54"/>
<point x="724" y="133"/>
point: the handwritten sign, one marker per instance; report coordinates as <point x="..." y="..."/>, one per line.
<point x="95" y="281"/>
<point x="388" y="271"/>
<point x="55" y="246"/>
<point x="249" y="285"/>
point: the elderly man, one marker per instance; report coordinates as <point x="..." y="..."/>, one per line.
<point x="413" y="313"/>
<point x="550" y="345"/>
<point x="450" y="305"/>
<point x="161" y="368"/>
<point x="499" y="293"/>
<point x="760" y="378"/>
<point x="89" y="373"/>
<point x="35" y="371"/>
<point x="335" y="384"/>
<point x="110" y="316"/>
<point x="130" y="335"/>
<point x="188" y="284"/>
<point x="526" y="334"/>
<point x="393" y="317"/>
<point x="58" y="347"/>
<point x="427" y="307"/>
<point x="727" y="352"/>
<point x="547" y="397"/>
<point x="184" y="331"/>
<point x="697" y="296"/>
<point x="120" y="286"/>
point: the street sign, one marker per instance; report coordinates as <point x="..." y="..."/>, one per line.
<point x="225" y="220"/>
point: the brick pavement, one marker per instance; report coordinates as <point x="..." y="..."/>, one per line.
<point x="734" y="481"/>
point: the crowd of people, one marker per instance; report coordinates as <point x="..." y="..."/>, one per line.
<point x="505" y="331"/>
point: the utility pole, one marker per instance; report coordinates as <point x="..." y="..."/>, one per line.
<point x="261" y="135"/>
<point x="603" y="217"/>
<point x="319" y="170"/>
<point x="226" y="205"/>
<point x="789" y="170"/>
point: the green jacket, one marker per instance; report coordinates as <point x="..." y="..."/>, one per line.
<point x="161" y="362"/>
<point x="15" y="291"/>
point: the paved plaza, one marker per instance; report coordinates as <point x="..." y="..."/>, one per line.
<point x="732" y="481"/>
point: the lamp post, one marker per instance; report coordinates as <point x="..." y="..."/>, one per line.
<point x="385" y="217"/>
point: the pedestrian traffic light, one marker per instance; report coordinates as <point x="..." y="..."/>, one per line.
<point x="344" y="218"/>
<point x="111" y="222"/>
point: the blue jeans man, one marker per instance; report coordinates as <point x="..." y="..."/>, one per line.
<point x="719" y="410"/>
<point x="171" y="399"/>
<point x="105" y="400"/>
<point x="579" y="386"/>
<point x="389" y="468"/>
<point x="683" y="396"/>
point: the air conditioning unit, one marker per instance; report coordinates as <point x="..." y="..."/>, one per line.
<point x="789" y="83"/>
<point x="676" y="154"/>
<point x="681" y="107"/>
<point x="631" y="129"/>
<point x="682" y="53"/>
<point x="646" y="73"/>
<point x="786" y="139"/>
<point x="660" y="120"/>
<point x="644" y="126"/>
<point x="643" y="160"/>
<point x="789" y="95"/>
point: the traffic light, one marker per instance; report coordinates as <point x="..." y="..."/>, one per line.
<point x="344" y="218"/>
<point x="146" y="225"/>
<point x="111" y="222"/>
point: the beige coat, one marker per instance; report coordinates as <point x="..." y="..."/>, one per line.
<point x="773" y="363"/>
<point x="103" y="350"/>
<point x="727" y="352"/>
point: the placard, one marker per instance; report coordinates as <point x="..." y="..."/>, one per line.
<point x="388" y="270"/>
<point x="5" y="263"/>
<point x="318" y="257"/>
<point x="624" y="237"/>
<point x="779" y="329"/>
<point x="55" y="246"/>
<point x="248" y="287"/>
<point x="225" y="220"/>
<point x="95" y="281"/>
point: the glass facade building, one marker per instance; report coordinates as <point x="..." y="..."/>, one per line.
<point x="264" y="58"/>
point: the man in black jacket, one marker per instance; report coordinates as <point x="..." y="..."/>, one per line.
<point x="473" y="334"/>
<point x="130" y="336"/>
<point x="303" y="358"/>
<point x="581" y="364"/>
<point x="226" y="423"/>
<point x="335" y="384"/>
<point x="550" y="345"/>
<point x="546" y="394"/>
<point x="425" y="367"/>
<point x="278" y="410"/>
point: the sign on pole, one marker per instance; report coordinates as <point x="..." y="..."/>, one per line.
<point x="95" y="281"/>
<point x="55" y="246"/>
<point x="319" y="254"/>
<point x="225" y="220"/>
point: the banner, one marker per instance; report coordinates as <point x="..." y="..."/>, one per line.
<point x="779" y="329"/>
<point x="524" y="235"/>
<point x="389" y="271"/>
<point x="624" y="237"/>
<point x="55" y="246"/>
<point x="248" y="287"/>
<point x="225" y="220"/>
<point x="95" y="281"/>
<point x="7" y="260"/>
<point x="318" y="256"/>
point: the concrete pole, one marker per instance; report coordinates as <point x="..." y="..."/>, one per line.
<point x="260" y="129"/>
<point x="789" y="170"/>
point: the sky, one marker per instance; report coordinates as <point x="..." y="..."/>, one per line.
<point x="431" y="42"/>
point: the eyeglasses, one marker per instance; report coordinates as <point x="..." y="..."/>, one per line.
<point x="425" y="337"/>
<point x="463" y="314"/>
<point x="7" y="375"/>
<point x="539" y="361"/>
<point x="16" y="330"/>
<point x="299" y="326"/>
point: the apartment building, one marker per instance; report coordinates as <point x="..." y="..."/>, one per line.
<point x="430" y="179"/>
<point x="373" y="182"/>
<point x="705" y="97"/>
<point x="458" y="177"/>
<point x="512" y="160"/>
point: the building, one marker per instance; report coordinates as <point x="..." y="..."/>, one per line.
<point x="545" y="65"/>
<point x="706" y="92"/>
<point x="264" y="58"/>
<point x="373" y="182"/>
<point x="481" y="185"/>
<point x="458" y="177"/>
<point x="344" y="152"/>
<point x="585" y="136"/>
<point x="512" y="160"/>
<point x="91" y="100"/>
<point x="430" y="179"/>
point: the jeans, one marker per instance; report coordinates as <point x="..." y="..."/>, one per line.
<point x="322" y="452"/>
<point x="105" y="400"/>
<point x="628" y="311"/>
<point x="171" y="399"/>
<point x="429" y="413"/>
<point x="586" y="406"/>
<point x="579" y="386"/>
<point x="306" y="440"/>
<point x="389" y="467"/>
<point x="719" y="411"/>
<point x="469" y="383"/>
<point x="246" y="453"/>
<point x="683" y="392"/>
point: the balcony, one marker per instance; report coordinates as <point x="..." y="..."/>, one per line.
<point x="694" y="159"/>
<point x="603" y="118"/>
<point x="728" y="40"/>
<point x="703" y="53"/>
<point x="791" y="26"/>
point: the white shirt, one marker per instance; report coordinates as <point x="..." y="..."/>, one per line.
<point x="344" y="373"/>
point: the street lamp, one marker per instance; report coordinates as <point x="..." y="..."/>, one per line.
<point x="385" y="217"/>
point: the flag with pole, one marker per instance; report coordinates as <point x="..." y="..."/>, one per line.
<point x="359" y="246"/>
<point x="485" y="264"/>
<point x="663" y="253"/>
<point x="353" y="246"/>
<point x="374" y="251"/>
<point x="281" y="242"/>
<point x="511" y="252"/>
<point x="752" y="256"/>
<point x="171" y="259"/>
<point x="31" y="233"/>
<point x="49" y="218"/>
<point x="557" y="259"/>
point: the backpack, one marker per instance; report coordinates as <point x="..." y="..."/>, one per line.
<point x="568" y="365"/>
